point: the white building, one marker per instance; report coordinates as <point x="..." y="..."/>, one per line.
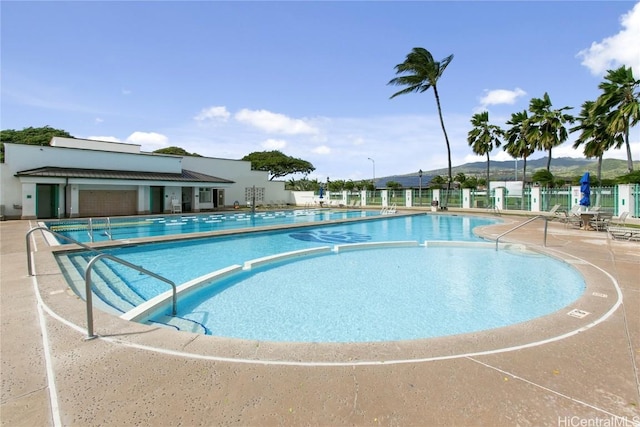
<point x="86" y="178"/>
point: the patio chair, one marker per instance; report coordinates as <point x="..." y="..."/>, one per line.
<point x="601" y="221"/>
<point x="572" y="217"/>
<point x="176" y="206"/>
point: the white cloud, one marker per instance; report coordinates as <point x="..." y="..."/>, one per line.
<point x="99" y="120"/>
<point x="213" y="113"/>
<point x="153" y="139"/>
<point x="501" y="96"/>
<point x="274" y="144"/>
<point x="322" y="149"/>
<point x="274" y="122"/>
<point x="619" y="49"/>
<point x="126" y="92"/>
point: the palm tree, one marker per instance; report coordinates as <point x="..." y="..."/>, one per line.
<point x="483" y="138"/>
<point x="547" y="127"/>
<point x="595" y="136"/>
<point x="419" y="73"/>
<point x="518" y="143"/>
<point x="620" y="101"/>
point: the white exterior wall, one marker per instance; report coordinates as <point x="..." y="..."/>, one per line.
<point x="240" y="172"/>
<point x="20" y="157"/>
<point x="89" y="144"/>
<point x="625" y="198"/>
<point x="71" y="153"/>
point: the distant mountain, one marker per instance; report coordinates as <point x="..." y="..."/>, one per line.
<point x="566" y="167"/>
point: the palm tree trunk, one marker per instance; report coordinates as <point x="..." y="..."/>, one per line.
<point x="626" y="141"/>
<point x="549" y="161"/>
<point x="524" y="179"/>
<point x="446" y="139"/>
<point x="488" y="186"/>
<point x="599" y="181"/>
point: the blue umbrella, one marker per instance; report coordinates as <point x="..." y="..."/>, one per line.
<point x="321" y="192"/>
<point x="585" y="189"/>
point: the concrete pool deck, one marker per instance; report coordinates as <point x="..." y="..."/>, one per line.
<point x="561" y="370"/>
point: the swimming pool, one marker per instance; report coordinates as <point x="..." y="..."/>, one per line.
<point x="122" y="228"/>
<point x="398" y="292"/>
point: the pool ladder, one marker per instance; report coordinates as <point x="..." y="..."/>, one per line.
<point x="107" y="231"/>
<point x="87" y="274"/>
<point x="546" y="223"/>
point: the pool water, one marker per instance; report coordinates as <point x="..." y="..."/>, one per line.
<point x="385" y="294"/>
<point x="359" y="296"/>
<point x="104" y="229"/>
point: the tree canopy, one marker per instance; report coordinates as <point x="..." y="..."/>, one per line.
<point x="30" y="136"/>
<point x="277" y="163"/>
<point x="176" y="151"/>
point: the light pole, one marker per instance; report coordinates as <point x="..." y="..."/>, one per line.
<point x="420" y="192"/>
<point x="374" y="172"/>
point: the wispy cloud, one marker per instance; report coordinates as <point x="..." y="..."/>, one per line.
<point x="619" y="49"/>
<point x="501" y="96"/>
<point x="152" y="139"/>
<point x="274" y="144"/>
<point x="274" y="122"/>
<point x="213" y="113"/>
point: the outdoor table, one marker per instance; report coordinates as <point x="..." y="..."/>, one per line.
<point x="586" y="217"/>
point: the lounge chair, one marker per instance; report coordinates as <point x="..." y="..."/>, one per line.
<point x="553" y="213"/>
<point x="618" y="232"/>
<point x="620" y="220"/>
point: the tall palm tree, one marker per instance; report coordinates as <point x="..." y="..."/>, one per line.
<point x="547" y="127"/>
<point x="620" y="101"/>
<point x="595" y="135"/>
<point x="519" y="144"/>
<point x="419" y="72"/>
<point x="483" y="138"/>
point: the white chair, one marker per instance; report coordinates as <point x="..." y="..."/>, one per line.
<point x="176" y="206"/>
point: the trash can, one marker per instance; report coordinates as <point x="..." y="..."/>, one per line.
<point x="434" y="206"/>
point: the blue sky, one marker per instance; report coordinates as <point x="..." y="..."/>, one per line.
<point x="224" y="79"/>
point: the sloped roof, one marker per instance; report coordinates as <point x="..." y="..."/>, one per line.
<point x="184" y="176"/>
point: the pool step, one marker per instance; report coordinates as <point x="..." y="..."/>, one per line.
<point x="106" y="284"/>
<point x="180" y="323"/>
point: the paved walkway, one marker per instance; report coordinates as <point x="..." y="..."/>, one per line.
<point x="557" y="371"/>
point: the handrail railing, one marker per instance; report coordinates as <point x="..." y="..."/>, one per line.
<point x="546" y="222"/>
<point x="108" y="231"/>
<point x="87" y="280"/>
<point x="87" y="273"/>
<point x="90" y="229"/>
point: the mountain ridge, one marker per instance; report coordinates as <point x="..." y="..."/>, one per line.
<point x="562" y="167"/>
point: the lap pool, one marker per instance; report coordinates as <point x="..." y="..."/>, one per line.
<point x="123" y="228"/>
<point x="442" y="280"/>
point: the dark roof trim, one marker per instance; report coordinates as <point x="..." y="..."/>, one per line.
<point x="185" y="176"/>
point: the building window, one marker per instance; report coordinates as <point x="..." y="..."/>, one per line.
<point x="248" y="194"/>
<point x="205" y="195"/>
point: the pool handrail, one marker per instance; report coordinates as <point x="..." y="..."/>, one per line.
<point x="87" y="273"/>
<point x="546" y="222"/>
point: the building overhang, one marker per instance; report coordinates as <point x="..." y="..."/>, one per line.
<point x="120" y="177"/>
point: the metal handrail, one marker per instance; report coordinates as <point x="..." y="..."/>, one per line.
<point x="90" y="229"/>
<point x="546" y="222"/>
<point x="108" y="232"/>
<point x="87" y="273"/>
<point x="87" y="280"/>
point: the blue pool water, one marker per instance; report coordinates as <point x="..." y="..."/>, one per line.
<point x="103" y="229"/>
<point x="385" y="294"/>
<point x="368" y="295"/>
